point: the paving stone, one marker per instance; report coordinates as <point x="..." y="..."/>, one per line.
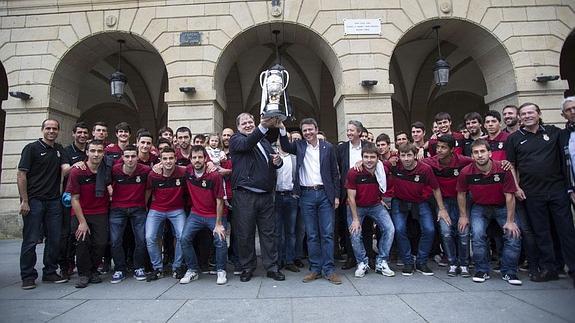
<point x="42" y="291"/>
<point x="377" y="284"/>
<point x="237" y="310"/>
<point x="128" y="289"/>
<point x="294" y="287"/>
<point x="559" y="302"/>
<point x="206" y="288"/>
<point x="34" y="310"/>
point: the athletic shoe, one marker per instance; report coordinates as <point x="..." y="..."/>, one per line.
<point x="95" y="278"/>
<point x="383" y="268"/>
<point x="524" y="267"/>
<point x="361" y="270"/>
<point x="83" y="282"/>
<point x="54" y="278"/>
<point x="28" y="284"/>
<point x="512" y="279"/>
<point x="179" y="273"/>
<point x="441" y="260"/>
<point x="422" y="268"/>
<point x="464" y="272"/>
<point x="480" y="277"/>
<point x="237" y="271"/>
<point x="408" y="270"/>
<point x="139" y="274"/>
<point x="118" y="277"/>
<point x="154" y="275"/>
<point x="221" y="277"/>
<point x="452" y="271"/>
<point x="189" y="276"/>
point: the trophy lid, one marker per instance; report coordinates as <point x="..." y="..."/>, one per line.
<point x="278" y="67"/>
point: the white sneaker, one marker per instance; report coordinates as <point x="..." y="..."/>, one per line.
<point x="383" y="268"/>
<point x="189" y="276"/>
<point x="361" y="270"/>
<point x="221" y="277"/>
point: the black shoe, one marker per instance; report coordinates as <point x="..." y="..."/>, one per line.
<point x="95" y="278"/>
<point x="349" y="264"/>
<point x="82" y="282"/>
<point x="408" y="270"/>
<point x="291" y="267"/>
<point x="180" y="272"/>
<point x="480" y="277"/>
<point x="154" y="275"/>
<point x="298" y="263"/>
<point x="246" y="276"/>
<point x="544" y="276"/>
<point x="276" y="275"/>
<point x="28" y="284"/>
<point x="54" y="278"/>
<point x="422" y="268"/>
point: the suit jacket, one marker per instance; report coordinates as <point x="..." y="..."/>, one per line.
<point x="566" y="156"/>
<point x="327" y="160"/>
<point x="343" y="163"/>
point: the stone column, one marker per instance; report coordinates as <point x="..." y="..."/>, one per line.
<point x="200" y="115"/>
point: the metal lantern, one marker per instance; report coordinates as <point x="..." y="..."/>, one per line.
<point x="118" y="80"/>
<point x="441" y="67"/>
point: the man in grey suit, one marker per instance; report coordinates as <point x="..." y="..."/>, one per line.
<point x="317" y="184"/>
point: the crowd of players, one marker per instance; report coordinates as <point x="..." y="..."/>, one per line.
<point x="500" y="188"/>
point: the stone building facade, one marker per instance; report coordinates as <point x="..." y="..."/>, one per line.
<point x="62" y="53"/>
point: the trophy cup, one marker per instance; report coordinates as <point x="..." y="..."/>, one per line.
<point x="274" y="83"/>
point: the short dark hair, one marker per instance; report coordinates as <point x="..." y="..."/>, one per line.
<point x="95" y="142"/>
<point x="510" y="106"/>
<point x="165" y="129"/>
<point x="167" y="150"/>
<point x="473" y="116"/>
<point x="44" y="123"/>
<point x="442" y="116"/>
<point x="448" y="139"/>
<point x="408" y="147"/>
<point x="131" y="148"/>
<point x="461" y="126"/>
<point x="81" y="125"/>
<point x="383" y="137"/>
<point x="164" y="141"/>
<point x="418" y="125"/>
<point x="123" y="126"/>
<point x="145" y="134"/>
<point x="369" y="148"/>
<point x="402" y="133"/>
<point x="527" y="104"/>
<point x="494" y="114"/>
<point x="184" y="129"/>
<point x="196" y="148"/>
<point x="308" y="121"/>
<point x="199" y="136"/>
<point x="101" y="124"/>
<point x="480" y="142"/>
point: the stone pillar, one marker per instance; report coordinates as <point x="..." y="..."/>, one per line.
<point x="373" y="110"/>
<point x="201" y="116"/>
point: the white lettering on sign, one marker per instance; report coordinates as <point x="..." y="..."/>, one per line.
<point x="362" y="26"/>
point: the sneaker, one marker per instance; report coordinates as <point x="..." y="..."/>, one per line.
<point x="464" y="272"/>
<point x="154" y="275"/>
<point x="422" y="268"/>
<point x="512" y="279"/>
<point x="524" y="267"/>
<point x="83" y="282"/>
<point x="179" y="273"/>
<point x="28" y="284"/>
<point x="408" y="270"/>
<point x="480" y="277"/>
<point x="189" y="276"/>
<point x="54" y="278"/>
<point x="361" y="270"/>
<point x="139" y="274"/>
<point x="222" y="279"/>
<point x="237" y="271"/>
<point x="118" y="277"/>
<point x="441" y="260"/>
<point x="383" y="268"/>
<point x="95" y="278"/>
<point x="452" y="271"/>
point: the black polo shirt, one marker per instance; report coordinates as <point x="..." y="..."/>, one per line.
<point x="537" y="158"/>
<point x="42" y="164"/>
<point x="74" y="155"/>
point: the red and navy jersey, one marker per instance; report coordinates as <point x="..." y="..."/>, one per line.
<point x="204" y="191"/>
<point x="459" y="144"/>
<point x="497" y="145"/>
<point x="486" y="189"/>
<point x="168" y="193"/>
<point x="366" y="187"/>
<point x="182" y="160"/>
<point x="447" y="174"/>
<point x="83" y="182"/>
<point x="151" y="161"/>
<point x="227" y="164"/>
<point x="114" y="151"/>
<point x="413" y="185"/>
<point x="129" y="190"/>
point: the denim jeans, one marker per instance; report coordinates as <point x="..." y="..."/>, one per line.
<point x="479" y="219"/>
<point x="385" y="226"/>
<point x="194" y="224"/>
<point x="44" y="218"/>
<point x="318" y="215"/>
<point x="286" y="217"/>
<point x="455" y="242"/>
<point x="427" y="231"/>
<point x="118" y="219"/>
<point x="154" y="230"/>
<point x="89" y="251"/>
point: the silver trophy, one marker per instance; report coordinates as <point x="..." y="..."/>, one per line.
<point x="274" y="83"/>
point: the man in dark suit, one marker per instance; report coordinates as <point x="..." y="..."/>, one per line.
<point x="348" y="153"/>
<point x="253" y="182"/>
<point x="317" y="184"/>
<point x="567" y="144"/>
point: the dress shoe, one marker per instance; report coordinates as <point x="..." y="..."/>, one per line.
<point x="334" y="279"/>
<point x="291" y="267"/>
<point x="276" y="275"/>
<point x="545" y="276"/>
<point x="311" y="277"/>
<point x="349" y="264"/>
<point x="298" y="263"/>
<point x="246" y="276"/>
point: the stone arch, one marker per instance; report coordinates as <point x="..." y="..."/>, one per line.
<point x="80" y="80"/>
<point x="481" y="67"/>
<point x="567" y="63"/>
<point x="3" y="97"/>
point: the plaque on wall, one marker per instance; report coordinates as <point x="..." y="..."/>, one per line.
<point x="362" y="26"/>
<point x="190" y="38"/>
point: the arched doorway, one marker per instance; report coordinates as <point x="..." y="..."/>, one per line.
<point x="481" y="77"/>
<point x="313" y="67"/>
<point x="567" y="63"/>
<point x="80" y="88"/>
<point x="3" y="97"/>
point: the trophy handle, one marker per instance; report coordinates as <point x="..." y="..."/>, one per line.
<point x="287" y="80"/>
<point x="262" y="78"/>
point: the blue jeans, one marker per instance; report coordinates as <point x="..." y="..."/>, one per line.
<point x="318" y="215"/>
<point x="381" y="217"/>
<point x="195" y="223"/>
<point x="479" y="219"/>
<point x="427" y="231"/>
<point x="286" y="216"/>
<point x="455" y="242"/>
<point x="154" y="230"/>
<point x="118" y="219"/>
<point x="44" y="219"/>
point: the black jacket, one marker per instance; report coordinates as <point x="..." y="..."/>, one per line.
<point x="344" y="166"/>
<point x="251" y="170"/>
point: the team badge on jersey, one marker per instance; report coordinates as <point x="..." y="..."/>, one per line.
<point x="204" y="184"/>
<point x="500" y="146"/>
<point x="178" y="182"/>
<point x="58" y="153"/>
<point x="545" y="137"/>
<point x="138" y="179"/>
<point x="416" y="178"/>
<point x="455" y="172"/>
<point x="496" y="178"/>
